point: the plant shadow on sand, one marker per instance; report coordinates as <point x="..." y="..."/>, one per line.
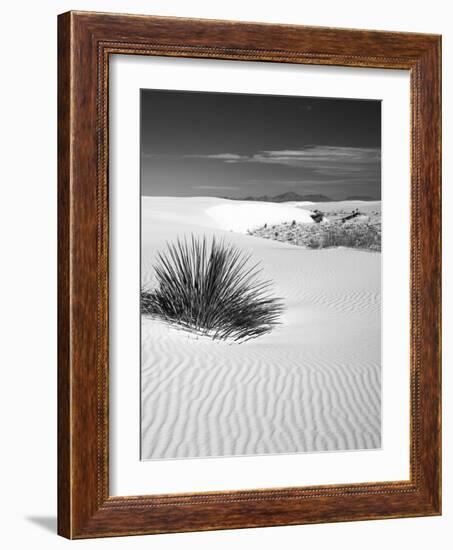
<point x="211" y="288"/>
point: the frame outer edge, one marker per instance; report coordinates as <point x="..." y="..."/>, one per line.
<point x="438" y="168"/>
<point x="432" y="301"/>
<point x="64" y="527"/>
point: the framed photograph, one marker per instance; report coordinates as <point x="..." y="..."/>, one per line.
<point x="249" y="275"/>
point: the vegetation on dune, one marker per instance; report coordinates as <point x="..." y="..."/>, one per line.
<point x="211" y="288"/>
<point x="350" y="234"/>
<point x="354" y="234"/>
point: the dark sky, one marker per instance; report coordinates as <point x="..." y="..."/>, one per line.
<point x="237" y="145"/>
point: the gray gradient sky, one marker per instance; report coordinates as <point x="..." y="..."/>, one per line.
<point x="237" y="145"/>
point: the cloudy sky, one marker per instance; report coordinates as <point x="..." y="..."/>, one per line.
<point x="237" y="145"/>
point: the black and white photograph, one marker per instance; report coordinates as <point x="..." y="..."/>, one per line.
<point x="260" y="274"/>
<point x="224" y="291"/>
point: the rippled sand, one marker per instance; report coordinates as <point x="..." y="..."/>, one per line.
<point x="313" y="384"/>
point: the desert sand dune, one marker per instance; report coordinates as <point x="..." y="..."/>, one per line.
<point x="312" y="384"/>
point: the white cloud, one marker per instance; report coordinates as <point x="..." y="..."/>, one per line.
<point x="227" y="157"/>
<point x="321" y="157"/>
<point x="325" y="159"/>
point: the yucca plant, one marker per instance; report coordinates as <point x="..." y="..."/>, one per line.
<point x="211" y="288"/>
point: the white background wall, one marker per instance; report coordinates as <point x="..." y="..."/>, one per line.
<point x="28" y="125"/>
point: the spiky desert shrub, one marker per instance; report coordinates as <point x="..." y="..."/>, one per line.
<point x="211" y="288"/>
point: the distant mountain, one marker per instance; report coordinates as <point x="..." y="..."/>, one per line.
<point x="360" y="198"/>
<point x="289" y="196"/>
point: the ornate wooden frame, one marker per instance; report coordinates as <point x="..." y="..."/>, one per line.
<point x="85" y="41"/>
